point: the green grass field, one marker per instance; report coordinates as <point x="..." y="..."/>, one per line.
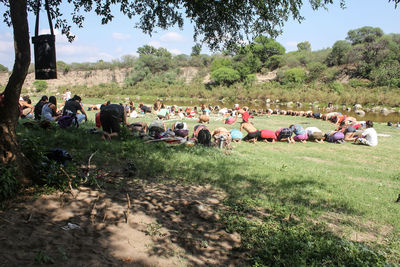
<point x="292" y="204"/>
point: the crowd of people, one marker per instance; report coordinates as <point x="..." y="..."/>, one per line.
<point x="348" y="128"/>
<point x="111" y="116"/>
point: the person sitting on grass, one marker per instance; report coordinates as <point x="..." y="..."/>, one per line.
<point x="236" y="135"/>
<point x="163" y="114"/>
<point x="284" y="134"/>
<point x="267" y="136"/>
<point x="180" y="129"/>
<point x="157" y="128"/>
<point x="245" y="115"/>
<point x="202" y="135"/>
<point x="144" y="109"/>
<point x="26" y="108"/>
<point x="157" y="106"/>
<point x="369" y="136"/>
<point x="37" y="111"/>
<point x="299" y="132"/>
<point x="349" y="131"/>
<point x="138" y="128"/>
<point x="336" y="137"/>
<point x="111" y="116"/>
<point x="204" y="118"/>
<point x="72" y="107"/>
<point x="252" y="133"/>
<point x="220" y="134"/>
<point x="49" y="110"/>
<point x="315" y="134"/>
<point x="338" y="119"/>
<point x="230" y="119"/>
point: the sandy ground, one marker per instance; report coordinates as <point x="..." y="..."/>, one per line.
<point x="166" y="225"/>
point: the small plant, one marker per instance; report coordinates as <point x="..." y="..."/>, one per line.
<point x="40" y="86"/>
<point x="8" y="183"/>
<point x="41" y="257"/>
<point x="153" y="229"/>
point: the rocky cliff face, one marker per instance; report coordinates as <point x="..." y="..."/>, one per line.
<point x="96" y="77"/>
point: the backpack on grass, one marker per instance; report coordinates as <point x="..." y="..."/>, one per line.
<point x="67" y="120"/>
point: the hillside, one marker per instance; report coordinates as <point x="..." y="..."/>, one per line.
<point x="89" y="78"/>
<point x="106" y="76"/>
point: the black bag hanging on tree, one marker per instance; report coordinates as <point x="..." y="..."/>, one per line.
<point x="44" y="49"/>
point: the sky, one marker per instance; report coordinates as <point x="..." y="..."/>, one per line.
<point x="322" y="28"/>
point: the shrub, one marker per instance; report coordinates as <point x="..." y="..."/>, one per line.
<point x="315" y="70"/>
<point x="336" y="87"/>
<point x="388" y="73"/>
<point x="40" y="85"/>
<point x="295" y="75"/>
<point x="330" y="74"/>
<point x="220" y="62"/>
<point x="225" y="75"/>
<point x="274" y="62"/>
<point x="359" y="83"/>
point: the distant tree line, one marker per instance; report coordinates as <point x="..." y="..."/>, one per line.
<point x="368" y="57"/>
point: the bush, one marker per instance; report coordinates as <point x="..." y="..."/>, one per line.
<point x="295" y="75"/>
<point x="220" y="62"/>
<point x="330" y="74"/>
<point x="359" y="83"/>
<point x="225" y="75"/>
<point x="336" y="87"/>
<point x="40" y="85"/>
<point x="137" y="75"/>
<point x="315" y="70"/>
<point x="388" y="73"/>
<point x="275" y="62"/>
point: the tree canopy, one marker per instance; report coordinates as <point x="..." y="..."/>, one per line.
<point x="216" y="23"/>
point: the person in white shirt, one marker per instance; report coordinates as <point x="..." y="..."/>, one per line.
<point x="315" y="134"/>
<point x="369" y="137"/>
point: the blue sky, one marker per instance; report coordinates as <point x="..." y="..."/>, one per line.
<point x="321" y="28"/>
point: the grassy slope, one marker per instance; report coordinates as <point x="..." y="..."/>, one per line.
<point x="349" y="189"/>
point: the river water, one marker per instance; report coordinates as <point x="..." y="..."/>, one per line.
<point x="373" y="116"/>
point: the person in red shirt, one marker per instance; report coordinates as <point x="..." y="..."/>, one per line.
<point x="267" y="136"/>
<point x="245" y="115"/>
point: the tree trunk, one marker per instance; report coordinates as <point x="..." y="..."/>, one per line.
<point x="10" y="153"/>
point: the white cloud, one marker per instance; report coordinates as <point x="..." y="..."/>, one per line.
<point x="59" y="37"/>
<point x="74" y="50"/>
<point x="175" y="51"/>
<point x="172" y="37"/>
<point x="120" y="36"/>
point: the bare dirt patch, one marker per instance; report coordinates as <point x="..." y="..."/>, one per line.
<point x="166" y="225"/>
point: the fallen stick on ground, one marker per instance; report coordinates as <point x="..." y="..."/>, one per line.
<point x="69" y="181"/>
<point x="128" y="209"/>
<point x="88" y="166"/>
